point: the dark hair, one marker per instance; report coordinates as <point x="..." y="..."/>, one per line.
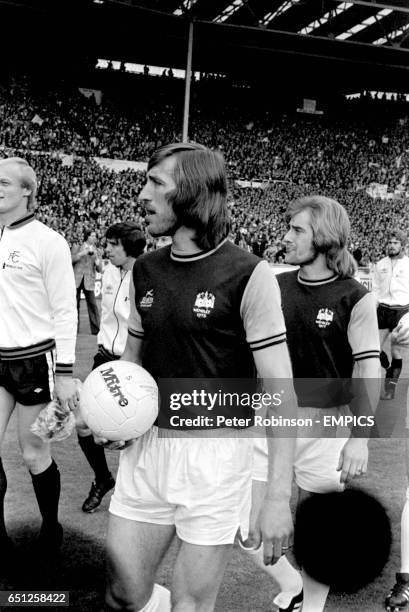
<point x="200" y="198"/>
<point x="330" y="230"/>
<point x="398" y="234"/>
<point x="87" y="234"/>
<point x="130" y="235"/>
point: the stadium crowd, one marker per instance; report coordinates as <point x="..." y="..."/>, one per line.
<point x="292" y="155"/>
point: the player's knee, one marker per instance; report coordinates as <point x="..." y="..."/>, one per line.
<point x="118" y="598"/>
<point x="36" y="459"/>
<point x="200" y="601"/>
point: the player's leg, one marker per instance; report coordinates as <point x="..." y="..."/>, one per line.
<point x="44" y="474"/>
<point x="398" y="596"/>
<point x="315" y="593"/>
<point x="283" y="573"/>
<point x="141" y="527"/>
<point x="93" y="312"/>
<point x="7" y="404"/>
<point x="405" y="514"/>
<point x="393" y="372"/>
<point x="134" y="551"/>
<point x="95" y="455"/>
<point x="104" y="481"/>
<point x="210" y="484"/>
<point x="383" y="315"/>
<point x="387" y="320"/>
<point x="395" y="367"/>
<point x="197" y="576"/>
<point x="34" y="383"/>
<point x="383" y="336"/>
<point x="78" y="295"/>
<point x="315" y="469"/>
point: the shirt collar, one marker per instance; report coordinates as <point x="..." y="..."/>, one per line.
<point x="313" y="282"/>
<point x="22" y="221"/>
<point x="195" y="256"/>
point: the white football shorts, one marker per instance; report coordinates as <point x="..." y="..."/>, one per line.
<point x="316" y="457"/>
<point x="200" y="485"/>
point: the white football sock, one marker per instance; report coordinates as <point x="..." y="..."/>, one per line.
<point x="287" y="577"/>
<point x="404" y="537"/>
<point x="315" y="594"/>
<point x="159" y="601"/>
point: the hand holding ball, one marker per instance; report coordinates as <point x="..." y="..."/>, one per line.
<point x="119" y="401"/>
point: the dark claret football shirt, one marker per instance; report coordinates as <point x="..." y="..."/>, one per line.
<point x="330" y="324"/>
<point x="203" y="316"/>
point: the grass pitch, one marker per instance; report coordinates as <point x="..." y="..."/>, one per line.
<point x="244" y="588"/>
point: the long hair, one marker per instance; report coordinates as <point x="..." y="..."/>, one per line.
<point x="28" y="179"/>
<point x="130" y="235"/>
<point x="330" y="229"/>
<point x="199" y="200"/>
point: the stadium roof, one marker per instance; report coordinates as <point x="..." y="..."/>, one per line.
<point x="367" y="21"/>
<point x="344" y="45"/>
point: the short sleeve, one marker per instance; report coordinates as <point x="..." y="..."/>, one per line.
<point x="135" y="328"/>
<point x="261" y="311"/>
<point x="363" y="334"/>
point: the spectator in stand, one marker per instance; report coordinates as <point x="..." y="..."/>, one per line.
<point x="357" y="255"/>
<point x="342" y="158"/>
<point x="87" y="260"/>
<point x="280" y="255"/>
<point x="259" y="245"/>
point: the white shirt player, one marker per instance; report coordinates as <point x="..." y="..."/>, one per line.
<point x="37" y="291"/>
<point x="115" y="308"/>
<point x="391" y="281"/>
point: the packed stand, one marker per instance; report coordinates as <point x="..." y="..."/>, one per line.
<point x="294" y="155"/>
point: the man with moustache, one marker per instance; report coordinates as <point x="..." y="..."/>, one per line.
<point x="391" y="289"/>
<point x="201" y="308"/>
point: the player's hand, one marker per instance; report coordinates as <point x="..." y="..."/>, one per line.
<point x="112" y="445"/>
<point x="276" y="527"/>
<point x="67" y="392"/>
<point x="353" y="459"/>
<point x="400" y="335"/>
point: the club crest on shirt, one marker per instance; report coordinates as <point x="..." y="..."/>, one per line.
<point x="14" y="256"/>
<point x="147" y="300"/>
<point x="324" y="318"/>
<point x="204" y="304"/>
<point x="13" y="261"/>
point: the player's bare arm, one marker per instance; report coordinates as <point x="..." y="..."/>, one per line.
<point x="275" y="519"/>
<point x="353" y="460"/>
<point x="133" y="350"/>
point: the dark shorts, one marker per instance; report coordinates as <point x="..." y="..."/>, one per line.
<point x="31" y="380"/>
<point x="103" y="357"/>
<point x="389" y="316"/>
